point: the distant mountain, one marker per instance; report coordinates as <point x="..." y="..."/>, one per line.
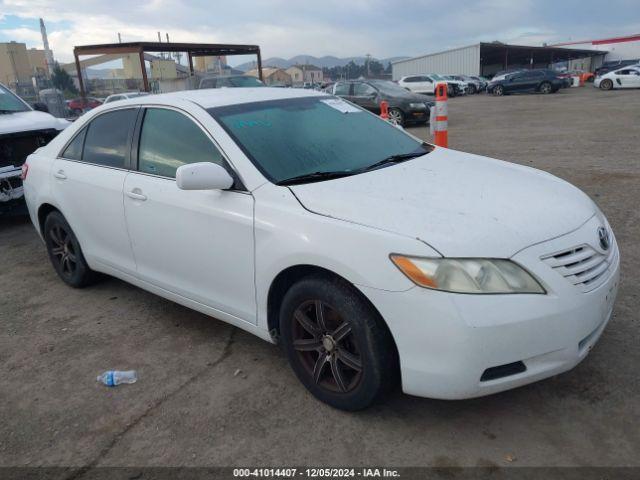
<point x="326" y="61"/>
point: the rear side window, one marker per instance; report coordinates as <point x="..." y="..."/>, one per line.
<point x="107" y="138"/>
<point x="74" y="149"/>
<point x="170" y="139"/>
<point x="341" y="89"/>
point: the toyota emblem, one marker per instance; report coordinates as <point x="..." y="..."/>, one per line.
<point x="603" y="236"/>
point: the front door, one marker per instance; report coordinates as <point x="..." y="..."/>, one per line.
<point x="197" y="244"/>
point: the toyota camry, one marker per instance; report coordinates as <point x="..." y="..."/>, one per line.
<point x="371" y="256"/>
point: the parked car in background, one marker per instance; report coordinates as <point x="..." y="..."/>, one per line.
<point x="473" y="85"/>
<point x="23" y="130"/>
<point x="373" y="258"/>
<point x="482" y="81"/>
<point x="124" y="96"/>
<point x="230" y="81"/>
<point x="566" y="77"/>
<point x="627" y="77"/>
<point x="404" y="107"/>
<point x="539" y="80"/>
<point x="80" y="105"/>
<point x="612" y="65"/>
<point x="461" y="85"/>
<point x="424" y="84"/>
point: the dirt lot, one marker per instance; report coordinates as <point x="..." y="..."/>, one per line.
<point x="188" y="407"/>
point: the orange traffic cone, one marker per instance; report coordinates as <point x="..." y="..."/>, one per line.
<point x="384" y="110"/>
<point x="441" y="137"/>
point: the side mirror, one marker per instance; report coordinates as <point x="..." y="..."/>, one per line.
<point x="41" y="107"/>
<point x="203" y="176"/>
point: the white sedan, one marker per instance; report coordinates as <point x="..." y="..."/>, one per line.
<point x="308" y="221"/>
<point x="627" y="77"/>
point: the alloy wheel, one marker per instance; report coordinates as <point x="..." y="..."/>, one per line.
<point x="63" y="251"/>
<point x="395" y="116"/>
<point x="545" y="88"/>
<point x="325" y="345"/>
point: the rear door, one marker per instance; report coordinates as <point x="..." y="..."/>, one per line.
<point x="87" y="183"/>
<point x="366" y="96"/>
<point x="196" y="244"/>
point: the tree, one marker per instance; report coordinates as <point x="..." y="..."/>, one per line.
<point x="62" y="80"/>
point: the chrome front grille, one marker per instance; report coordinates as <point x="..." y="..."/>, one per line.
<point x="583" y="266"/>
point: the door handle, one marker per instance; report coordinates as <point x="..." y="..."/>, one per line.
<point x="136" y="196"/>
<point x="60" y="174"/>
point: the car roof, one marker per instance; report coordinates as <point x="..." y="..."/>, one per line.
<point x="220" y="97"/>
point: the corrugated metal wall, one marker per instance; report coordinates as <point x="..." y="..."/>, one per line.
<point x="465" y="60"/>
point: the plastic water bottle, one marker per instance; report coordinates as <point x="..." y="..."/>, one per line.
<point x="112" y="378"/>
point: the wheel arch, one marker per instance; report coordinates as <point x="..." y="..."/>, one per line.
<point x="293" y="274"/>
<point x="43" y="211"/>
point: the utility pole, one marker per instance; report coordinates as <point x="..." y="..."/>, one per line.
<point x="119" y="38"/>
<point x="368" y="60"/>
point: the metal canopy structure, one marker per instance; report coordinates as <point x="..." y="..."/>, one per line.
<point x="516" y="55"/>
<point x="141" y="48"/>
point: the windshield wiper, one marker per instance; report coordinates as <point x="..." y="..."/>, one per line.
<point x="398" y="158"/>
<point x="315" y="177"/>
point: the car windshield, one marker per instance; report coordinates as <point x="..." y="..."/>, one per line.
<point x="10" y="103"/>
<point x="296" y="137"/>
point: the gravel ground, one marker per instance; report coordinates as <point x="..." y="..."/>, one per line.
<point x="191" y="406"/>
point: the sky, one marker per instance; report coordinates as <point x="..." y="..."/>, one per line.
<point x="343" y="28"/>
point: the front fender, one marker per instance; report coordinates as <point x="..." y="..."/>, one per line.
<point x="287" y="235"/>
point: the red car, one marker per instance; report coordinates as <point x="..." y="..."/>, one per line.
<point x="80" y="105"/>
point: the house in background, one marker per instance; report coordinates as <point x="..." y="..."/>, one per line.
<point x="301" y="74"/>
<point x="273" y="76"/>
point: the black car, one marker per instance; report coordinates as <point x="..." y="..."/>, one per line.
<point x="539" y="80"/>
<point x="404" y="107"/>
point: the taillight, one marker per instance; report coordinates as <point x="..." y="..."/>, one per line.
<point x="25" y="171"/>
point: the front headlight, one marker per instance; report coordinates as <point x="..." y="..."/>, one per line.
<point x="468" y="275"/>
<point x="417" y="106"/>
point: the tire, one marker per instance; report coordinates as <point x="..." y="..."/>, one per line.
<point x="471" y="89"/>
<point x="396" y="116"/>
<point x="498" y="90"/>
<point x="65" y="253"/>
<point x="606" y="84"/>
<point x="546" y="88"/>
<point x="347" y="359"/>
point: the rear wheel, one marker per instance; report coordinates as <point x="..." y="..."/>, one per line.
<point x="336" y="345"/>
<point x="606" y="84"/>
<point x="65" y="253"/>
<point x="545" y="87"/>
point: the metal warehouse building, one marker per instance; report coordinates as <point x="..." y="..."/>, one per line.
<point x="488" y="58"/>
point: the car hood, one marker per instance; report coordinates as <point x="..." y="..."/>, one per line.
<point x="460" y="204"/>
<point x="30" y="120"/>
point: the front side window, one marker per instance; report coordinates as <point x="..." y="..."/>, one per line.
<point x="169" y="139"/>
<point x="291" y="137"/>
<point x="107" y="138"/>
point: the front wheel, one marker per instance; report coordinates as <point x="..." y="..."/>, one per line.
<point x="606" y="84"/>
<point x="65" y="253"/>
<point x="471" y="89"/>
<point x="396" y="116"/>
<point x="546" y="88"/>
<point x="498" y="90"/>
<point x="336" y="344"/>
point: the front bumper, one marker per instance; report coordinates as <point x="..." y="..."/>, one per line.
<point x="596" y="82"/>
<point x="447" y="341"/>
<point x="11" y="190"/>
